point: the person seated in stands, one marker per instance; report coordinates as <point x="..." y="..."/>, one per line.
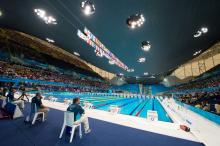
<point x="12" y="99"/>
<point x="198" y="105"/>
<point x="206" y="107"/>
<point x="217" y="108"/>
<point x="79" y="114"/>
<point x="1" y="92"/>
<point x="40" y="107"/>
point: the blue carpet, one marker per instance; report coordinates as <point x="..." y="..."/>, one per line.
<point x="17" y="133"/>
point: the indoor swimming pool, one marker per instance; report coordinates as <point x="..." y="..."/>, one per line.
<point x="129" y="106"/>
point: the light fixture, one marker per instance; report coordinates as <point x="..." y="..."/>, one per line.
<point x="130" y="70"/>
<point x="46" y="18"/>
<point x="146" y="73"/>
<point x="136" y="20"/>
<point x="202" y="30"/>
<point x="88" y="7"/>
<point x="111" y="62"/>
<point x="198" y="34"/>
<point x="98" y="53"/>
<point x="142" y="60"/>
<point x="50" y="40"/>
<point x="152" y="77"/>
<point x="145" y="46"/>
<point x="76" y="53"/>
<point x="197" y="52"/>
<point x="165" y="79"/>
<point x="0" y="13"/>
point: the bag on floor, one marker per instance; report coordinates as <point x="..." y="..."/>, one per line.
<point x="185" y="128"/>
<point x="4" y="114"/>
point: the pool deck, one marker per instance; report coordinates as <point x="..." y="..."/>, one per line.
<point x="164" y="128"/>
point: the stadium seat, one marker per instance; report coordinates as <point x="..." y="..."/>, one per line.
<point x="69" y="121"/>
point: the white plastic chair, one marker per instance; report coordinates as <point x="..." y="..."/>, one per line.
<point x="69" y="121"/>
<point x="35" y="113"/>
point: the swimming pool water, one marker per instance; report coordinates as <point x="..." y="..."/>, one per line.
<point x="129" y="106"/>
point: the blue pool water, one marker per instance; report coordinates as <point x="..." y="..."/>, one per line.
<point x="129" y="106"/>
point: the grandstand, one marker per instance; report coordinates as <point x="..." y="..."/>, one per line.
<point x="104" y="73"/>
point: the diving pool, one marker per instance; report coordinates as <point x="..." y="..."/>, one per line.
<point x="129" y="106"/>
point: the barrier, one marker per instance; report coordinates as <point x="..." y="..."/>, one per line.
<point x="205" y="130"/>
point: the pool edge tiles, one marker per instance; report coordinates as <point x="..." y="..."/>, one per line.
<point x="164" y="128"/>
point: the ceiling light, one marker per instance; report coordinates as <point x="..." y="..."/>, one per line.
<point x="142" y="59"/>
<point x="198" y="34"/>
<point x="153" y="77"/>
<point x="130" y="70"/>
<point x="165" y="79"/>
<point x="111" y="62"/>
<point x="50" y="40"/>
<point x="204" y="29"/>
<point x="43" y="15"/>
<point x="76" y="53"/>
<point x="136" y="20"/>
<point x="88" y="7"/>
<point x="146" y="73"/>
<point x="145" y="46"/>
<point x="197" y="52"/>
<point x="98" y="53"/>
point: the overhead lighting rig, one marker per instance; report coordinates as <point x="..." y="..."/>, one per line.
<point x="136" y="20"/>
<point x="88" y="7"/>
<point x="200" y="32"/>
<point x="145" y="45"/>
<point x="42" y="14"/>
<point x="50" y="40"/>
<point x="141" y="60"/>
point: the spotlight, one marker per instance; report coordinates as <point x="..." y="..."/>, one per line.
<point x="76" y="53"/>
<point x="146" y="73"/>
<point x="142" y="60"/>
<point x="50" y="40"/>
<point x="165" y="79"/>
<point x="43" y="15"/>
<point x="204" y="29"/>
<point x="197" y="52"/>
<point x="198" y="34"/>
<point x="145" y="46"/>
<point x="121" y="74"/>
<point x="88" y="7"/>
<point x="136" y="20"/>
<point x="98" y="53"/>
<point x="111" y="62"/>
<point x="130" y="70"/>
